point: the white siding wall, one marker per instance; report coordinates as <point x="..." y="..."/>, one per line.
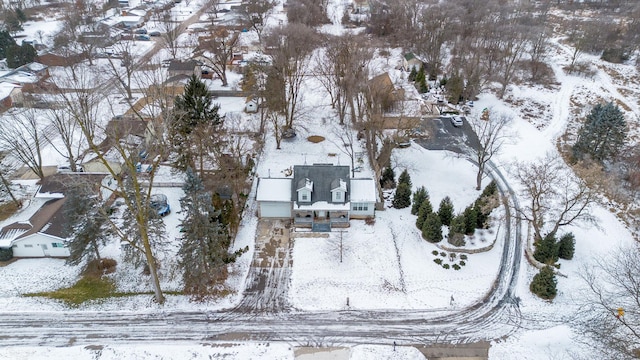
<point x="358" y="210"/>
<point x="32" y="246"/>
<point x="275" y="209"/>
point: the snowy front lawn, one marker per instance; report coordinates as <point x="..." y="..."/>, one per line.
<point x="388" y="265"/>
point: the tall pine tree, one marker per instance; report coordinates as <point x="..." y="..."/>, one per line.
<point x="445" y="211"/>
<point x="423" y="212"/>
<point x="603" y="133"/>
<point x="195" y="116"/>
<point x="432" y="228"/>
<point x="204" y="250"/>
<point x="418" y="197"/>
<point x="86" y="217"/>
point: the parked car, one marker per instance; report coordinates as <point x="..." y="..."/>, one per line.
<point x="158" y="202"/>
<point x="67" y="168"/>
<point x="143" y="37"/>
<point x="141" y="31"/>
<point x="456" y="121"/>
<point x="155" y="33"/>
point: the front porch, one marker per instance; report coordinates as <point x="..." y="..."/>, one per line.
<point x="322" y="220"/>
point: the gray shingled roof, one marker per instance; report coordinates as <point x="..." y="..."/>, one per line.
<point x="322" y="175"/>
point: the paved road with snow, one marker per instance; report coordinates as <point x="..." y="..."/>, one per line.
<point x="265" y="316"/>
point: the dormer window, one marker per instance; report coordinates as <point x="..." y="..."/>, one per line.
<point x="338" y="191"/>
<point x="305" y="188"/>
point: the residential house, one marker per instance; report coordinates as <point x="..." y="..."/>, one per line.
<point x="188" y="68"/>
<point x="319" y="196"/>
<point x="410" y="61"/>
<point x="131" y="21"/>
<point x="386" y="94"/>
<point x="134" y="131"/>
<point x="44" y="234"/>
<point x="52" y="59"/>
<point x="29" y="77"/>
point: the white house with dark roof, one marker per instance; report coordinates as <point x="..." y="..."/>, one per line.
<point x="317" y="194"/>
<point x="44" y="233"/>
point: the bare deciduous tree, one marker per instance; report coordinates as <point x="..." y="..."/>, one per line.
<point x="218" y="49"/>
<point x="290" y="49"/>
<point x="491" y="135"/>
<point x="22" y="137"/>
<point x="555" y="196"/>
<point x="609" y="312"/>
<point x="256" y="13"/>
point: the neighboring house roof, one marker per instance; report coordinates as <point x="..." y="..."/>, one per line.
<point x="56" y="185"/>
<point x="409" y="56"/>
<point x="274" y="189"/>
<point x="322" y="175"/>
<point x="119" y="128"/>
<point x="33" y="66"/>
<point x="363" y="190"/>
<point x="180" y="78"/>
<point x="177" y="65"/>
<point x="6" y="88"/>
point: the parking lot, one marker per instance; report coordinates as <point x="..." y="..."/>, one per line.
<point x="445" y="136"/>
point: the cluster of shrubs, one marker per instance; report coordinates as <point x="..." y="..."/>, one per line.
<point x="548" y="251"/>
<point x="475" y="216"/>
<point x="420" y="79"/>
<point x="452" y="258"/>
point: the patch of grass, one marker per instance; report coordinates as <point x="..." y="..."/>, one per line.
<point x="91" y="288"/>
<point x="86" y="289"/>
<point x="315" y="138"/>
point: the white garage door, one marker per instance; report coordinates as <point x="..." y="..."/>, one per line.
<point x="275" y="210"/>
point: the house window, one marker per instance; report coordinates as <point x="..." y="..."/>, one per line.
<point x="28" y="245"/>
<point x="304" y="197"/>
<point x="57" y="245"/>
<point x="338" y="195"/>
<point x="360" y="207"/>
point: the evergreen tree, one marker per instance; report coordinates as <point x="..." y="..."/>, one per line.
<point x="422" y="86"/>
<point x="204" y="250"/>
<point x="423" y="212"/>
<point x="6" y="41"/>
<point x="86" y="217"/>
<point x="20" y="55"/>
<point x="418" y="197"/>
<point x="470" y="220"/>
<point x="445" y="211"/>
<point x="457" y="230"/>
<point x="603" y="133"/>
<point x="388" y="179"/>
<point x="544" y="284"/>
<point x="412" y="74"/>
<point x="455" y="88"/>
<point x="134" y="251"/>
<point x="194" y="115"/>
<point x="432" y="228"/>
<point x="405" y="178"/>
<point x="420" y="77"/>
<point x="566" y="246"/>
<point x="402" y="198"/>
<point x="546" y="250"/>
<point x="481" y="217"/>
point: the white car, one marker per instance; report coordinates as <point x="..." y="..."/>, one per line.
<point x="456" y="121"/>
